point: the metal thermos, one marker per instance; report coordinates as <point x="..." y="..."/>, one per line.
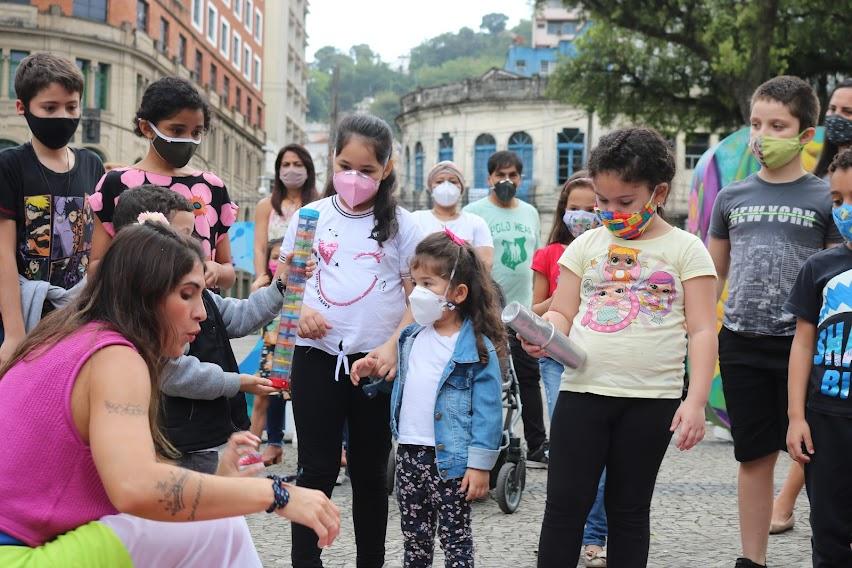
<point x="538" y="331"/>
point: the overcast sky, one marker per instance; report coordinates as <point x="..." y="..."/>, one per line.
<point x="392" y="28"/>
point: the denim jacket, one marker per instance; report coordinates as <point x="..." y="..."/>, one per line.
<point x="468" y="408"/>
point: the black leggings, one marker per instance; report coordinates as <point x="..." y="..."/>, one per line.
<point x="529" y="387"/>
<point x="627" y="435"/>
<point x="320" y="406"/>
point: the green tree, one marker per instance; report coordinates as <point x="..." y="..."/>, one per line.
<point x="495" y="23"/>
<point x="386" y="105"/>
<point x="456" y="70"/>
<point x="684" y="63"/>
<point x="524" y="31"/>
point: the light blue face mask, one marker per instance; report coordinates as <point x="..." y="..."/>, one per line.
<point x="842" y="215"/>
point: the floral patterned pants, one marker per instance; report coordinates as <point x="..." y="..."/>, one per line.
<point x="427" y="502"/>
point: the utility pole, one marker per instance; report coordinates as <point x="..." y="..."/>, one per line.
<point x="332" y="127"/>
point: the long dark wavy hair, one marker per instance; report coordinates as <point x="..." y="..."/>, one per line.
<point x="309" y="189"/>
<point x="438" y="254"/>
<point x="377" y="133"/>
<point x="143" y="265"/>
<point x="560" y="233"/>
<point x="829" y="149"/>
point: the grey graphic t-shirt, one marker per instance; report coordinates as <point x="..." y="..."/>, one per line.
<point x="773" y="228"/>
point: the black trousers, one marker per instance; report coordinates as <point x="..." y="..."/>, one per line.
<point x="627" y="435"/>
<point x="529" y="384"/>
<point x="828" y="478"/>
<point x="320" y="406"/>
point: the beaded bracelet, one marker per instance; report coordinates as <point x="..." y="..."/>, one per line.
<point x="282" y="496"/>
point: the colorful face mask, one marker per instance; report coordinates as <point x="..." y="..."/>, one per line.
<point x="354" y="188"/>
<point x="578" y="221"/>
<point x="773" y="152"/>
<point x="843" y="219"/>
<point x="838" y="129"/>
<point x="628" y="225"/>
<point x="273" y="264"/>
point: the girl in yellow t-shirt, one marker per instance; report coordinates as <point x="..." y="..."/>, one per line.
<point x="634" y="294"/>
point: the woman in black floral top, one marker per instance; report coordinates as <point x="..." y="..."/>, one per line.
<point x="174" y="118"/>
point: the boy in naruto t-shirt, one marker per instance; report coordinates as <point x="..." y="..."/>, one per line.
<point x="45" y="221"/>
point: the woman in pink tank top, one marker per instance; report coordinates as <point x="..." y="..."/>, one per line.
<point x="88" y="374"/>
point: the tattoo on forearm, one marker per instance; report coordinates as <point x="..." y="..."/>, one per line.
<point x="197" y="500"/>
<point x="125" y="409"/>
<point x="172" y="492"/>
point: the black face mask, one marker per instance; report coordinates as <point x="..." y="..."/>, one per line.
<point x="52" y="132"/>
<point x="505" y="190"/>
<point x="175" y="151"/>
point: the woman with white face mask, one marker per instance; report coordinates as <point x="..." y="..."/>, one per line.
<point x="445" y="184"/>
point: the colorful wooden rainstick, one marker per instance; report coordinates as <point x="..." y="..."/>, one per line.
<point x="282" y="358"/>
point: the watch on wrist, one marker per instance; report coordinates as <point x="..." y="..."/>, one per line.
<point x="279" y="492"/>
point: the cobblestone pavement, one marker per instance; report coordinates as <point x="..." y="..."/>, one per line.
<point x="693" y="519"/>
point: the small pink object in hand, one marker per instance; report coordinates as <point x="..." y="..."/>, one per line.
<point x="249" y="459"/>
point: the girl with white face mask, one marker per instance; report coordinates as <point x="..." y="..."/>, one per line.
<point x="446" y="408"/>
<point x="446" y="185"/>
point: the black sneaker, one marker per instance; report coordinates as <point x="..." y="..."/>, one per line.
<point x="540" y="457"/>
<point x="746" y="563"/>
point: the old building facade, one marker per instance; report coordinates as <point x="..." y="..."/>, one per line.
<point x="122" y="46"/>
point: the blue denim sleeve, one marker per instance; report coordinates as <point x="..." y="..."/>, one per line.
<point x="487" y="419"/>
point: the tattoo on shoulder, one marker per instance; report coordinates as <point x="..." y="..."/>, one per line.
<point x="171" y="491"/>
<point x="125" y="409"/>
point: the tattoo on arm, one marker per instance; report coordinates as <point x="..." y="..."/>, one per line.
<point x="196" y="501"/>
<point x="172" y="492"/>
<point x="125" y="409"/>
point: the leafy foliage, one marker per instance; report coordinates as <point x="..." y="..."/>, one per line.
<point x="682" y="63"/>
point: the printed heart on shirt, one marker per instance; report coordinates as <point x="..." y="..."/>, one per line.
<point x="327" y="250"/>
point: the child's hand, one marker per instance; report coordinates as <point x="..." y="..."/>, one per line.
<point x="362" y="368"/>
<point x="798" y="434"/>
<point x="310" y="268"/>
<point x="532" y="350"/>
<point x="690" y="418"/>
<point x="212" y="273"/>
<point x="312" y="325"/>
<point x="475" y="483"/>
<point x="239" y="444"/>
<point x="256" y="385"/>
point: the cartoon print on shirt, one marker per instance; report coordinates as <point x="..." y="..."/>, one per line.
<point x="656" y="295"/>
<point x="331" y="261"/>
<point x="67" y="225"/>
<point x="514" y="253"/>
<point x="611" y="308"/>
<point x="622" y="263"/>
<point x="36" y="269"/>
<point x="37" y="225"/>
<point x="620" y="288"/>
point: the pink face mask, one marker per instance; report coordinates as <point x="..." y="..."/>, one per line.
<point x="354" y="188"/>
<point x="293" y="177"/>
<point x="272" y="266"/>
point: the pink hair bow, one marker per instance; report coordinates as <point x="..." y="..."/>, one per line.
<point x="454" y="237"/>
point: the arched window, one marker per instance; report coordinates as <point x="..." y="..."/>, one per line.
<point x="418" y="167"/>
<point x="483" y="147"/>
<point x="407" y="182"/>
<point x="445" y="147"/>
<point x="570" y="146"/>
<point x="521" y="144"/>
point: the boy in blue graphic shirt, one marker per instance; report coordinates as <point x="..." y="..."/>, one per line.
<point x="821" y="367"/>
<point x="762" y="231"/>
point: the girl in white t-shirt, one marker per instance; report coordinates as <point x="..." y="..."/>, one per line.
<point x="633" y="294"/>
<point x="446" y="407"/>
<point x="445" y="184"/>
<point x="354" y="306"/>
